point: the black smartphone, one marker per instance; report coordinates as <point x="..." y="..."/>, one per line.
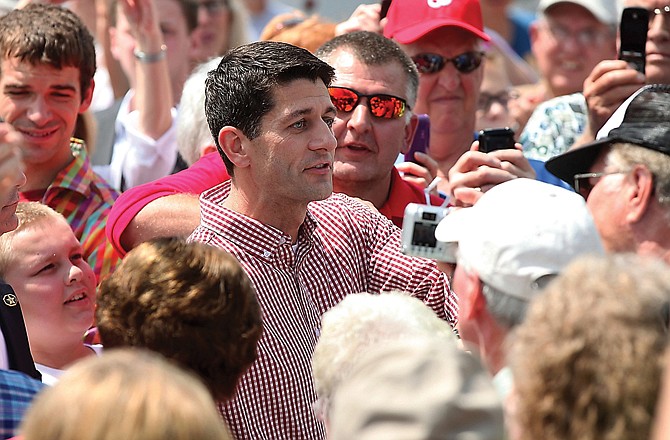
<point x="421" y="138"/>
<point x="492" y="139"/>
<point x="385" y="8"/>
<point x="633" y="36"/>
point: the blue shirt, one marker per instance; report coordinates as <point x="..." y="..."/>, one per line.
<point x="16" y="393"/>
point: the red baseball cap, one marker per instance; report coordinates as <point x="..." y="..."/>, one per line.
<point x="409" y="20"/>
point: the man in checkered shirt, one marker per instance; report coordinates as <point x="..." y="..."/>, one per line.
<point x="270" y="113"/>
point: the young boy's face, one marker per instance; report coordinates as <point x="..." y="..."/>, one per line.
<point x="55" y="285"/>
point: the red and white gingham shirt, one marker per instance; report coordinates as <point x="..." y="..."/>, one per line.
<point x="342" y="248"/>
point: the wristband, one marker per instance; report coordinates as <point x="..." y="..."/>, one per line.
<point x="148" y="58"/>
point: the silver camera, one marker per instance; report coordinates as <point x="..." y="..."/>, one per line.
<point x="418" y="231"/>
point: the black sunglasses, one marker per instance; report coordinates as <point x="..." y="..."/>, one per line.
<point x="432" y="62"/>
<point x="381" y="106"/>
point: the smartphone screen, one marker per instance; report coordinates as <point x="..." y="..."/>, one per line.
<point x="633" y="37"/>
<point x="421" y="138"/>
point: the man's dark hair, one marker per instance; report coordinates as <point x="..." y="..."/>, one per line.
<point x="188" y="7"/>
<point x="48" y="34"/>
<point x="239" y="92"/>
<point x="373" y="49"/>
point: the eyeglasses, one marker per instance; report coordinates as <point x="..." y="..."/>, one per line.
<point x="584" y="184"/>
<point x="380" y="105"/>
<point x="584" y="37"/>
<point x="486" y="100"/>
<point x="431" y="62"/>
<point x="213" y="6"/>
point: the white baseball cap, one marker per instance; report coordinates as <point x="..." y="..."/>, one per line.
<point x="519" y="232"/>
<point x="605" y="11"/>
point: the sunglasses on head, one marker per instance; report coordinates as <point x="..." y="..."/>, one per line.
<point x="380" y="105"/>
<point x="432" y="63"/>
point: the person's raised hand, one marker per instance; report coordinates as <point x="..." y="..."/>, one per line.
<point x="421" y="173"/>
<point x="364" y="18"/>
<point x="475" y="172"/>
<point x="605" y="89"/>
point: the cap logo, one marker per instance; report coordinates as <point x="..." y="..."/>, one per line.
<point x="436" y="4"/>
<point x="10" y="300"/>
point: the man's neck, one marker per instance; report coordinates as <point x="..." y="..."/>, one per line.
<point x="40" y="176"/>
<point x="279" y="214"/>
<point x="492" y="343"/>
<point x="375" y="192"/>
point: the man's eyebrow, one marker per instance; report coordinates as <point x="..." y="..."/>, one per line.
<point x="61" y="87"/>
<point x="299" y="112"/>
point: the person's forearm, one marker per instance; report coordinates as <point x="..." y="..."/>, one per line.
<point x="171" y="216"/>
<point x="153" y="94"/>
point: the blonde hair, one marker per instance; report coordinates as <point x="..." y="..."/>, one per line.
<point x="28" y="213"/>
<point x="124" y="394"/>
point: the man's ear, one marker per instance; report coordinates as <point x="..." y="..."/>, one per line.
<point x="87" y="97"/>
<point x="235" y="146"/>
<point x="410" y="129"/>
<point x="471" y="302"/>
<point x="639" y="193"/>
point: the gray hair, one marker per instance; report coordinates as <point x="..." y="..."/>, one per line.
<point x="192" y="130"/>
<point x="625" y="156"/>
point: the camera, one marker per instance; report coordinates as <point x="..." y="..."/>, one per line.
<point x="418" y="231"/>
<point x="492" y="139"/>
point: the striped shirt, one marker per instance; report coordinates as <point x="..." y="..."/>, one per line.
<point x="85" y="200"/>
<point x="342" y="247"/>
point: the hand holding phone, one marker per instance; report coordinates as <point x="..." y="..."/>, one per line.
<point x="633" y="37"/>
<point x="492" y="139"/>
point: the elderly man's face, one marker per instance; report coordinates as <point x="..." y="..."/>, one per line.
<point x="567" y="45"/>
<point x="607" y="205"/>
<point x="448" y="96"/>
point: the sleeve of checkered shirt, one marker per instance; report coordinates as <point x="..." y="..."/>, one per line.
<point x="390" y="269"/>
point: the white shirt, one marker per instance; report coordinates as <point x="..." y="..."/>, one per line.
<point x="4" y="359"/>
<point x="50" y="376"/>
<point x="136" y="157"/>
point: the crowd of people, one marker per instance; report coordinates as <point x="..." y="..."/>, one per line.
<point x="202" y="212"/>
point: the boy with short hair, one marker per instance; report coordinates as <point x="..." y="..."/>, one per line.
<point x="44" y="262"/>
